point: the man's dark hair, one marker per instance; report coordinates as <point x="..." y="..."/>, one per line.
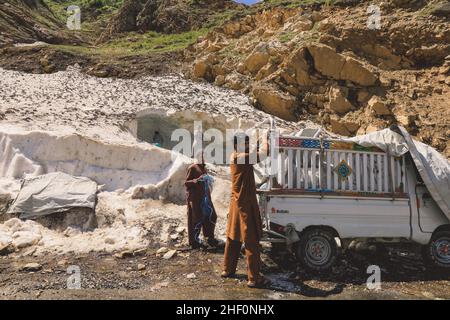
<point x="236" y="140"/>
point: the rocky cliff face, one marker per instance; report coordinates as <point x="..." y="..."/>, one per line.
<point x="327" y="65"/>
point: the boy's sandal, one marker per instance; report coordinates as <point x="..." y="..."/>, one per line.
<point x="225" y="274"/>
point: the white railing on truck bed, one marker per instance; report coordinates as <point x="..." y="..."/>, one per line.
<point x="334" y="166"/>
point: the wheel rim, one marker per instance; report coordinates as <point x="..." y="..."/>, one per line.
<point x="441" y="250"/>
<point x="318" y="250"/>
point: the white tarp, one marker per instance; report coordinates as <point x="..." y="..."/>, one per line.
<point x="53" y="192"/>
<point x="434" y="170"/>
<point x="432" y="166"/>
<point x="387" y="140"/>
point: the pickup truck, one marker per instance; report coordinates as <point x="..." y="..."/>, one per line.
<point x="326" y="193"/>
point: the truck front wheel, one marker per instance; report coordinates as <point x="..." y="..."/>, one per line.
<point x="437" y="252"/>
<point x="317" y="250"/>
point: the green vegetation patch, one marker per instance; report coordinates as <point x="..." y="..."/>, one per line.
<point x="155" y="42"/>
<point x="294" y="3"/>
<point x="92" y="11"/>
<point x="286" y="37"/>
<point x="138" y="44"/>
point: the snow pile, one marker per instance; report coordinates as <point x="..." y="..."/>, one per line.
<point x="123" y="224"/>
<point x="113" y="165"/>
<point x="23" y="234"/>
<point x="121" y="167"/>
<point x="142" y="192"/>
<point x="127" y="171"/>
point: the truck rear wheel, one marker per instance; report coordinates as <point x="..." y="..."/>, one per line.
<point x="437" y="252"/>
<point x="317" y="250"/>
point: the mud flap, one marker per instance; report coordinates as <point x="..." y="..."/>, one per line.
<point x="292" y="236"/>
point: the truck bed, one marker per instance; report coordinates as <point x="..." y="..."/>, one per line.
<point x="351" y="217"/>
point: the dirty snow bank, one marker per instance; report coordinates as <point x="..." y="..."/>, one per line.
<point x="113" y="165"/>
<point x="123" y="224"/>
<point x="30" y="234"/>
<point x="127" y="219"/>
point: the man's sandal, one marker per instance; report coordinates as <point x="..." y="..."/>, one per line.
<point x="261" y="283"/>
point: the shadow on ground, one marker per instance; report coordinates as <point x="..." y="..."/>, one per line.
<point x="398" y="266"/>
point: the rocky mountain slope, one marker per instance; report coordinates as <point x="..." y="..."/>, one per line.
<point x="167" y="16"/>
<point x="296" y="59"/>
<point x="28" y="21"/>
<point x="325" y="64"/>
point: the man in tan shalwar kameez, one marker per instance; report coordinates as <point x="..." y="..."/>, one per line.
<point x="244" y="219"/>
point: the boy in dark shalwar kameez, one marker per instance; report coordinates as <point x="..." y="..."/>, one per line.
<point x="201" y="214"/>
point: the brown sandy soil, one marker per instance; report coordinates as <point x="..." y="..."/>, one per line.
<point x="104" y="276"/>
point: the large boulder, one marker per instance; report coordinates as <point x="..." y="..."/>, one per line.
<point x="334" y="65"/>
<point x="379" y="107"/>
<point x="237" y="28"/>
<point x="404" y="119"/>
<point x="275" y="102"/>
<point x="343" y="127"/>
<point x="255" y="61"/>
<point x="234" y="81"/>
<point x="387" y="60"/>
<point x="362" y="96"/>
<point x="266" y="71"/>
<point x="326" y="60"/>
<point x="302" y="24"/>
<point x="354" y="71"/>
<point x="200" y="69"/>
<point x="258" y="58"/>
<point x="220" y="80"/>
<point x="338" y="101"/>
<point x="232" y="28"/>
<point x="297" y="68"/>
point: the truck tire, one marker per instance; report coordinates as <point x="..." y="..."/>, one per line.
<point x="317" y="250"/>
<point x="437" y="253"/>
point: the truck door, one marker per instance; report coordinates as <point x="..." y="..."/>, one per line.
<point x="429" y="213"/>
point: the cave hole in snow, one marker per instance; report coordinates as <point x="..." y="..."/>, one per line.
<point x="157" y="127"/>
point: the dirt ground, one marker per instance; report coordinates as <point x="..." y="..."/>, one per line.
<point x="48" y="59"/>
<point x="105" y="276"/>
